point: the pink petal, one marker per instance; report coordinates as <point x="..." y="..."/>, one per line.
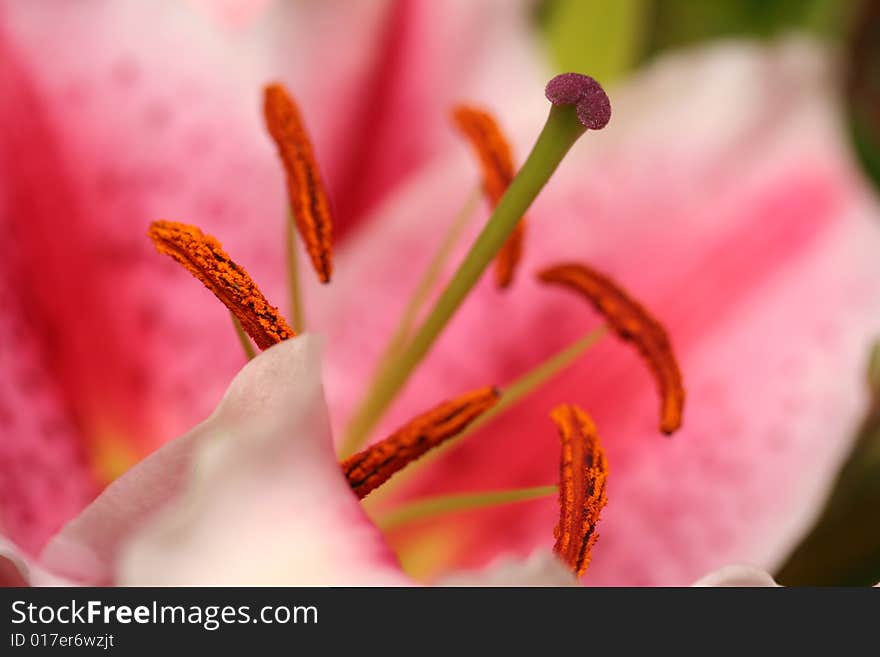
<point x="16" y="569"/>
<point x="722" y="197"/>
<point x="233" y="13"/>
<point x="45" y="476"/>
<point x="265" y="501"/>
<point x="115" y="113"/>
<point x="253" y="495"/>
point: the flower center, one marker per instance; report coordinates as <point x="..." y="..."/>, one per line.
<point x="579" y="103"/>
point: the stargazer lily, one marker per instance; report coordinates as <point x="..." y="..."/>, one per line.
<point x="704" y="201"/>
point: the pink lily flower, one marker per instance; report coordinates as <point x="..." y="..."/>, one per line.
<point x="721" y="195"/>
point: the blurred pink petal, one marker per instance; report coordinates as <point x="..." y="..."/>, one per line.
<point x="542" y="568"/>
<point x="146" y="110"/>
<point x="722" y="197"/>
<point x="17" y="569"/>
<point x="737" y="576"/>
<point x="233" y="13"/>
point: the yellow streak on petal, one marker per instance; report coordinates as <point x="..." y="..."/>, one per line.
<point x="110" y="453"/>
<point x="425" y="552"/>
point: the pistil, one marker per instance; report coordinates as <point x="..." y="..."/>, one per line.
<point x="496" y="161"/>
<point x="578" y="104"/>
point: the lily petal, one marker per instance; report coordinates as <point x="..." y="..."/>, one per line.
<point x="266" y="502"/>
<point x="541" y="568"/>
<point x="253" y="495"/>
<point x="45" y="477"/>
<point x="16" y="569"/>
<point x="721" y="195"/>
<point x="233" y="13"/>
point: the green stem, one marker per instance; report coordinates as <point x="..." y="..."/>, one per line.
<point x="245" y="341"/>
<point x="431" y="507"/>
<point x="296" y="306"/>
<point x="558" y="136"/>
<point x="510" y="396"/>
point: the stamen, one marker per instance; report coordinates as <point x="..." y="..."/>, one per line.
<point x="511" y="394"/>
<point x="308" y="198"/>
<point x="246" y="345"/>
<point x="297" y="314"/>
<point x="493" y="151"/>
<point x="431" y="507"/>
<point x="204" y="258"/>
<point x="583" y="472"/>
<point x="632" y="323"/>
<point x="370" y="468"/>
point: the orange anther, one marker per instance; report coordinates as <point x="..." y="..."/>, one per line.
<point x="583" y="472"/>
<point x="205" y="259"/>
<point x="634" y="324"/>
<point x="309" y="202"/>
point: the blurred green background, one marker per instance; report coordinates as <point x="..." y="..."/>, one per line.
<point x="611" y="38"/>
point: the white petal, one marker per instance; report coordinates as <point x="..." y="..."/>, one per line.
<point x="737" y="575"/>
<point x="266" y="502"/>
<point x="542" y="568"/>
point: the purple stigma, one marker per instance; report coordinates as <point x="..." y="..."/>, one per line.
<point x="587" y="95"/>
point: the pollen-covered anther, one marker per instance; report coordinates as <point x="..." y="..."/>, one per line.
<point x="496" y="163"/>
<point x="309" y="202"/>
<point x="373" y="466"/>
<point x="204" y="258"/>
<point x="632" y="323"/>
<point x="583" y="473"/>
